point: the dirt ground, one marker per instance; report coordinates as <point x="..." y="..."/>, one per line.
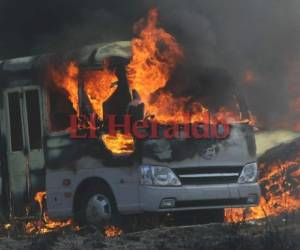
<point x="278" y="235"/>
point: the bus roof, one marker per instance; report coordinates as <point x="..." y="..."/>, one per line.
<point x="92" y="53"/>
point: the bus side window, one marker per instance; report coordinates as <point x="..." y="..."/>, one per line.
<point x="60" y="110"/>
<point x="15" y="120"/>
<point x="34" y="119"/>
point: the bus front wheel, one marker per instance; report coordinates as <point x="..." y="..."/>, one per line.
<point x="96" y="207"/>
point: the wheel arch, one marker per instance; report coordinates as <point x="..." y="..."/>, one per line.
<point x="85" y="184"/>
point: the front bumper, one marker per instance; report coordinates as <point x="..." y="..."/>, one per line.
<point x="199" y="197"/>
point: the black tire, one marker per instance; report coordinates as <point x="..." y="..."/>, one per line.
<point x="82" y="201"/>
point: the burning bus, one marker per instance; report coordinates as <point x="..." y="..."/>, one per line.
<point x="96" y="178"/>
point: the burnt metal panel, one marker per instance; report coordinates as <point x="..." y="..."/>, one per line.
<point x="116" y="49"/>
<point x="62" y="152"/>
<point x="19" y="64"/>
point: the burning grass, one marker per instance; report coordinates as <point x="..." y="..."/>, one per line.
<point x="280" y="183"/>
<point x="45" y="225"/>
<point x="206" y="237"/>
<point x="112" y="231"/>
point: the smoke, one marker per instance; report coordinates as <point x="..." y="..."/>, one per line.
<point x="261" y="37"/>
<point x="34" y="27"/>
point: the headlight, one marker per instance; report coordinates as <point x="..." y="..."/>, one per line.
<point x="249" y="173"/>
<point x="158" y="176"/>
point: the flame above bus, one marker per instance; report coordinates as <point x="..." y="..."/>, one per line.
<point x="155" y="56"/>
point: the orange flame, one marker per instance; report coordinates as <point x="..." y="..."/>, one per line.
<point x="155" y="55"/>
<point x="168" y="109"/>
<point x="281" y="188"/>
<point x="66" y="78"/>
<point x="44" y="225"/>
<point x="39" y="197"/>
<point x="120" y="144"/>
<point x="99" y="87"/>
<point x="112" y="231"/>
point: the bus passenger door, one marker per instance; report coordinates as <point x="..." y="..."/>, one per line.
<point x="25" y="155"/>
